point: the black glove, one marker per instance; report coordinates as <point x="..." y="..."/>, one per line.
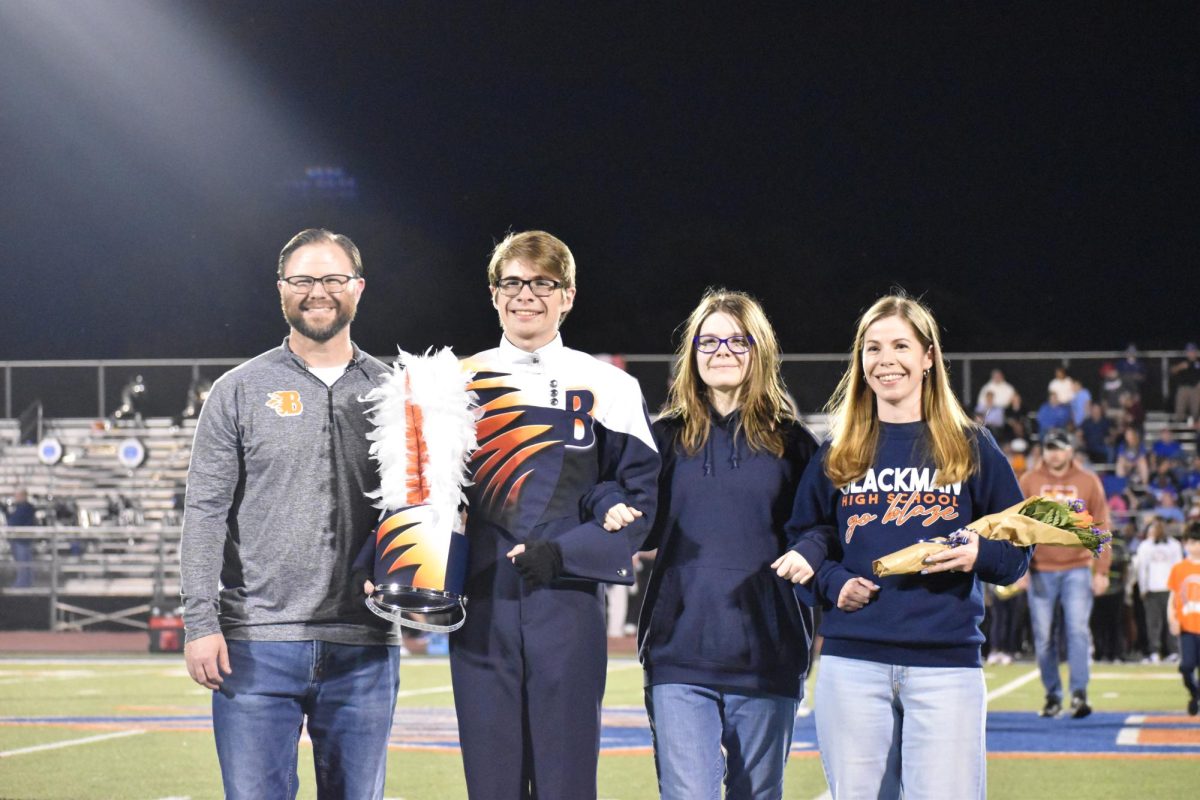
<point x="540" y="564"/>
<point x="359" y="576"/>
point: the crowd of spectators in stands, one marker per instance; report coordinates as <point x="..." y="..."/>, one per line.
<point x="1151" y="480"/>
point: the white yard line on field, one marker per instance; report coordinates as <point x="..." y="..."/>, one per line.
<point x="69" y="743"/>
<point x="429" y="690"/>
<point x="1012" y="686"/>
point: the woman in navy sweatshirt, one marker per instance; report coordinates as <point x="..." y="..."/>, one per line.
<point x="724" y="641"/>
<point x="900" y="698"/>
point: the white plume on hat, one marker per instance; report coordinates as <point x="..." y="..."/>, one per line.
<point x="436" y="385"/>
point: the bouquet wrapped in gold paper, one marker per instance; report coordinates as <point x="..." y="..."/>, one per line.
<point x="1036" y="520"/>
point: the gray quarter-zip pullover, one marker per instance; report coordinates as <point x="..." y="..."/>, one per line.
<point x="275" y="507"/>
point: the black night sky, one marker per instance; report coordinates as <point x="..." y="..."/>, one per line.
<point x="1032" y="170"/>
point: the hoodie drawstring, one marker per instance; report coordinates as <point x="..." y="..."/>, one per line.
<point x="708" y="443"/>
<point x="735" y="456"/>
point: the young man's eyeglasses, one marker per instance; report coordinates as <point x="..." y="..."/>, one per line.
<point x="711" y="344"/>
<point x="303" y="284"/>
<point x="541" y="287"/>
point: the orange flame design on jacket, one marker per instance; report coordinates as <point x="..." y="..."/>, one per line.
<point x="502" y="452"/>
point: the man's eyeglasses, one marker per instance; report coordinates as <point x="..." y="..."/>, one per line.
<point x="710" y="344"/>
<point x="541" y="287"/>
<point x="303" y="284"/>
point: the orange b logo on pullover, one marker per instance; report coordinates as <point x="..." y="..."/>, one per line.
<point x="286" y="403"/>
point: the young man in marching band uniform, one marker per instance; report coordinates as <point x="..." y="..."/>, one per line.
<point x="564" y="490"/>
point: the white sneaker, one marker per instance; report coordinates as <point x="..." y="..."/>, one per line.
<point x="993" y="657"/>
<point x="1005" y="659"/>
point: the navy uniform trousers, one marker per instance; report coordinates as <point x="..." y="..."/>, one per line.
<point x="529" y="670"/>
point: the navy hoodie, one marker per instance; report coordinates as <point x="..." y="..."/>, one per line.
<point x="916" y="620"/>
<point x="715" y="614"/>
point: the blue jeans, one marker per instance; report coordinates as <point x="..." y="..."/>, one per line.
<point x="690" y="724"/>
<point x="1072" y="588"/>
<point x="22" y="555"/>
<point x="346" y="695"/>
<point x="884" y="729"/>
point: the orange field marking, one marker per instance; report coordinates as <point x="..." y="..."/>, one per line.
<point x="1187" y="736"/>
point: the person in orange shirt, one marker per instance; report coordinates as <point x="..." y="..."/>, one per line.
<point x="1183" y="613"/>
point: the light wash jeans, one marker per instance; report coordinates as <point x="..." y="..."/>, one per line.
<point x="886" y="730"/>
<point x="1072" y="588"/>
<point x="345" y="693"/>
<point x="690" y="724"/>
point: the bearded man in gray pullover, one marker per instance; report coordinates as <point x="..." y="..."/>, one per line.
<point x="275" y="514"/>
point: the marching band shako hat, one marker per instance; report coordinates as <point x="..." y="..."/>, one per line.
<point x="424" y="432"/>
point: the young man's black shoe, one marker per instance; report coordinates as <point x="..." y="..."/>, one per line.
<point x="1194" y="706"/>
<point x="1052" y="708"/>
<point x="1079" y="706"/>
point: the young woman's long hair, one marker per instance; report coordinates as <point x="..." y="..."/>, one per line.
<point x="854" y="422"/>
<point x="763" y="401"/>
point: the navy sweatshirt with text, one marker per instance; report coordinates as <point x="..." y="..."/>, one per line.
<point x="715" y="614"/>
<point x="916" y="620"/>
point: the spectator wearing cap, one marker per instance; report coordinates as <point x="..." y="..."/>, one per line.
<point x="1187" y="384"/>
<point x="1069" y="576"/>
<point x="1111" y="389"/>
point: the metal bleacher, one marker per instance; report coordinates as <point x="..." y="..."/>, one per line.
<point x="106" y="548"/>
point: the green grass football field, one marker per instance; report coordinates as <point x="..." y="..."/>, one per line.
<point x="90" y="727"/>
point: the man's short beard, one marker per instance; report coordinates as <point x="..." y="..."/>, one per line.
<point x="341" y="319"/>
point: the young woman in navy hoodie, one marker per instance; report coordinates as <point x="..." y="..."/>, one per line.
<point x="724" y="641"/>
<point x="900" y="698"/>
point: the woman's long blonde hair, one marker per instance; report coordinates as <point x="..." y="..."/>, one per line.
<point x="854" y="422"/>
<point x="763" y="401"/>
